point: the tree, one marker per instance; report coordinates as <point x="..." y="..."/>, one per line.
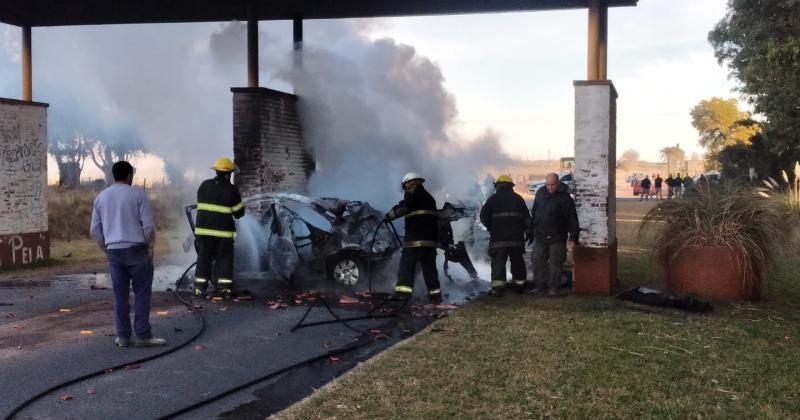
<point x="760" y="42"/>
<point x="675" y="157"/>
<point x="737" y="160"/>
<point x="720" y="123"/>
<point x="105" y="153"/>
<point x="628" y="158"/>
<point x="70" y="156"/>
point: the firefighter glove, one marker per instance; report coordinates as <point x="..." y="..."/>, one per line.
<point x="529" y="236"/>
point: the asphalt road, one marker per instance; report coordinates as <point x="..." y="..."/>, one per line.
<point x="53" y="330"/>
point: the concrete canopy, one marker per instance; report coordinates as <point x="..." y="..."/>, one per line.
<point x="34" y="13"/>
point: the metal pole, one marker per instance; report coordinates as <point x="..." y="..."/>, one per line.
<point x="297" y="31"/>
<point x="603" y="44"/>
<point x="593" y="56"/>
<point x="252" y="46"/>
<point x="27" y="69"/>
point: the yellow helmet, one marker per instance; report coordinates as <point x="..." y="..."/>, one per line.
<point x="224" y="164"/>
<point x="504" y="178"/>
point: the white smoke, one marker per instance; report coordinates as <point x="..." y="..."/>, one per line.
<point x="373" y="110"/>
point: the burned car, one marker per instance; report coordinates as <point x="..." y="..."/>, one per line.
<point x="342" y="239"/>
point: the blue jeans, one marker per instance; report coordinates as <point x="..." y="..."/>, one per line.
<point x="131" y="267"/>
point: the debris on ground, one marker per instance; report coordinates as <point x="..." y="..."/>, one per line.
<point x="66" y="397"/>
<point x="654" y="297"/>
<point x="96" y="287"/>
<point x="348" y="300"/>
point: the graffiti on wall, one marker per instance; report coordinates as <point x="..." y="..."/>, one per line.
<point x="23" y="168"/>
<point x="24" y="235"/>
<point x="23" y="249"/>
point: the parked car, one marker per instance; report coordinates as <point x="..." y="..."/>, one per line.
<point x="633" y="177"/>
<point x="713" y="177"/>
<point x="567" y="178"/>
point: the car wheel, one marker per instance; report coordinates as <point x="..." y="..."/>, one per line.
<point x="346" y="270"/>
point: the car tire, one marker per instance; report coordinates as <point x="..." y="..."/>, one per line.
<point x="347" y="270"/>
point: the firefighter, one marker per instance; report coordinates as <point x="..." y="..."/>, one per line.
<point x="506" y="216"/>
<point x="218" y="203"/>
<point x="421" y="238"/>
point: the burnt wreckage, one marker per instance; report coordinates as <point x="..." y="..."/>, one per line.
<point x="338" y="238"/>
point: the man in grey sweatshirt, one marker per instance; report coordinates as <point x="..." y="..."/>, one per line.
<point x="123" y="227"/>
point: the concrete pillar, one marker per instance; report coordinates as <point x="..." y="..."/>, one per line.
<point x="252" y="46"/>
<point x="596" y="58"/>
<point x="297" y="37"/>
<point x="602" y="64"/>
<point x="595" y="180"/>
<point x="27" y="65"/>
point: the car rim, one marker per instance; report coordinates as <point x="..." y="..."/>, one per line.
<point x="346" y="272"/>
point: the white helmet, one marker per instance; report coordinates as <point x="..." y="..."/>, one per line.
<point x="412" y="176"/>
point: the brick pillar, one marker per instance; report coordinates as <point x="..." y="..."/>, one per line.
<point x="268" y="142"/>
<point x="595" y="178"/>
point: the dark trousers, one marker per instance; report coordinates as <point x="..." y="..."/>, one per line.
<point x="499" y="257"/>
<point x="131" y="267"/>
<point x="548" y="260"/>
<point x="426" y="257"/>
<point x="214" y="262"/>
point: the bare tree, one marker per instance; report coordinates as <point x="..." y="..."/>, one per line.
<point x="629" y="158"/>
<point x="104" y="154"/>
<point x="70" y="156"/>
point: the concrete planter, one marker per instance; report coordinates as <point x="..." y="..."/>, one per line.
<point x="712" y="272"/>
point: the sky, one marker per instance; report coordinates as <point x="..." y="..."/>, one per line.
<point x="507" y="78"/>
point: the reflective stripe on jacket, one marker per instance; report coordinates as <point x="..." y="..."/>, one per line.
<point x="506" y="217"/>
<point x="421" y="216"/>
<point x="218" y="203"/>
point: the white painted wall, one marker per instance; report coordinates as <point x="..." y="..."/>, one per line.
<point x="23" y="168"/>
<point x="595" y="162"/>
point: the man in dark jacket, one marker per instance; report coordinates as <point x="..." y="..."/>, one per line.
<point x="218" y="203"/>
<point x="506" y="217"/>
<point x="645" y="193"/>
<point x="421" y="238"/>
<point x="555" y="229"/>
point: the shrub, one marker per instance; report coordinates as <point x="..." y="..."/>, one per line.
<point x="727" y="214"/>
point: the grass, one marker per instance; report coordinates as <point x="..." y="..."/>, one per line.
<point x="586" y="357"/>
<point x="71" y="247"/>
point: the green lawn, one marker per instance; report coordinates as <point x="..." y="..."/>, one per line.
<point x="586" y="357"/>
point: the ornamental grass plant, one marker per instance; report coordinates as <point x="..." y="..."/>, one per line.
<point x="728" y="214"/>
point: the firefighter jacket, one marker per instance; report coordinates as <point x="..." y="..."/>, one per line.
<point x="554" y="217"/>
<point x="506" y="217"/>
<point x="422" y="218"/>
<point x="218" y="202"/>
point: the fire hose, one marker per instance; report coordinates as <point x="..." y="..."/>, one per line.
<point x="368" y="338"/>
<point x="199" y="332"/>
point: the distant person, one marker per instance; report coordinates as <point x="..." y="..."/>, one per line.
<point x="555" y="230"/>
<point x="123" y="227"/>
<point x="687" y="182"/>
<point x="218" y="204"/>
<point x="421" y="239"/>
<point x="670" y="186"/>
<point x="678" y="185"/>
<point x="658" y="184"/>
<point x="506" y="216"/>
<point x="645" y="193"/>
